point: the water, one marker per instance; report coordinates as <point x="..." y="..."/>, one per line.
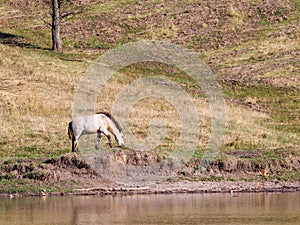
<point x="247" y="208"/>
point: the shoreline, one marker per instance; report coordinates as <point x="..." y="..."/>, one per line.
<point x="69" y="174"/>
<point x="181" y="187"/>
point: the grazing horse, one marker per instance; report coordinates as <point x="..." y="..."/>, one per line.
<point x="100" y="123"/>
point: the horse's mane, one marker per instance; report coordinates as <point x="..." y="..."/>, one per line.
<point x="112" y="119"/>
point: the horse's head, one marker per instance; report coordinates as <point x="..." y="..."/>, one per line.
<point x="120" y="139"/>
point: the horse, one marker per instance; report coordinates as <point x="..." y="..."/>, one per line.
<point x="100" y="123"/>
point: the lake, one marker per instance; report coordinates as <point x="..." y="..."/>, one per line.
<point x="242" y="208"/>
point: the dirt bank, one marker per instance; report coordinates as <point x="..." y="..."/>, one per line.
<point x="70" y="174"/>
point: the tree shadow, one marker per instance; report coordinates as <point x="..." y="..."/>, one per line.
<point x="20" y="41"/>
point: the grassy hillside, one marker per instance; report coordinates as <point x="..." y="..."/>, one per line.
<point x="252" y="47"/>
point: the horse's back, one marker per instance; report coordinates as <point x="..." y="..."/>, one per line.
<point x="88" y="124"/>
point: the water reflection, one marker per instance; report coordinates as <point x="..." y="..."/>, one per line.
<point x="261" y="208"/>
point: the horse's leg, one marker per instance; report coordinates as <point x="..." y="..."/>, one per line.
<point x="73" y="144"/>
<point x="75" y="141"/>
<point x="109" y="141"/>
<point x="105" y="131"/>
<point x="76" y="146"/>
<point x="98" y="139"/>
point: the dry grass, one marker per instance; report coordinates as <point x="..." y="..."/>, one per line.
<point x="248" y="131"/>
<point x="37" y="87"/>
<point x="271" y="58"/>
<point x="36" y="97"/>
<point x="36" y="104"/>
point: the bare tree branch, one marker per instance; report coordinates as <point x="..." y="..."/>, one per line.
<point x="47" y="23"/>
<point x="72" y="13"/>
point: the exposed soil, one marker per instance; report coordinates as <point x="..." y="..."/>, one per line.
<point x="71" y="174"/>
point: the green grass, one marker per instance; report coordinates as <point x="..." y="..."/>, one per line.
<point x="23" y="186"/>
<point x="10" y="184"/>
<point x="297" y="4"/>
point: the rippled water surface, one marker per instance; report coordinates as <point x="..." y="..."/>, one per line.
<point x="247" y="208"/>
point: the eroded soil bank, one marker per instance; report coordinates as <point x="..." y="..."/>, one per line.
<point x="70" y="174"/>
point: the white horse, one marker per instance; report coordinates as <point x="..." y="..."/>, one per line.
<point x="100" y="123"/>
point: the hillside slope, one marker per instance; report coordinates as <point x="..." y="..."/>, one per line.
<point x="251" y="46"/>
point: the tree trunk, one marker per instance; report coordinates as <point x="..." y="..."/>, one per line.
<point x="56" y="41"/>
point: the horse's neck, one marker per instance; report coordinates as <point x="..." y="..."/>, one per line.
<point x="115" y="130"/>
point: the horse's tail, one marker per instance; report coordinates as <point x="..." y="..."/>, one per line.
<point x="70" y="131"/>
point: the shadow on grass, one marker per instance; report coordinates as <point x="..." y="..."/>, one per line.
<point x="14" y="40"/>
